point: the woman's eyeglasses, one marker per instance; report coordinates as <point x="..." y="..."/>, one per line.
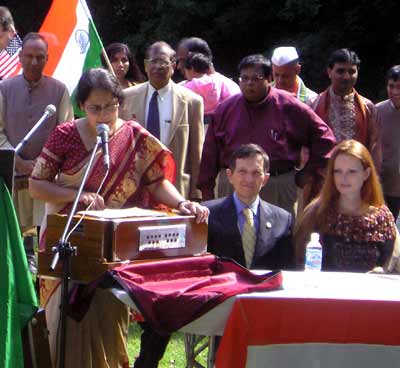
<point x="97" y="109"/>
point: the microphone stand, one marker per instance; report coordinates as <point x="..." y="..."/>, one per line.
<point x="63" y="250"/>
<point x="32" y="131"/>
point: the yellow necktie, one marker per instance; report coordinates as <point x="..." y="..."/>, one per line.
<point x="248" y="236"/>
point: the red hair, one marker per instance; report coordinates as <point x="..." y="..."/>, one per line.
<point x="315" y="214"/>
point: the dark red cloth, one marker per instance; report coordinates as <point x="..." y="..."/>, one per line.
<point x="172" y="293"/>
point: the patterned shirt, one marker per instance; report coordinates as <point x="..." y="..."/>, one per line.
<point x="342" y="116"/>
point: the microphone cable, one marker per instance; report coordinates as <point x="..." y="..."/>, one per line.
<point x="89" y="206"/>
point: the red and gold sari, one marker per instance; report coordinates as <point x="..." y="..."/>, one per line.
<point x="137" y="159"/>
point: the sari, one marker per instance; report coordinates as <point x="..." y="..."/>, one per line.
<point x="137" y="159"/>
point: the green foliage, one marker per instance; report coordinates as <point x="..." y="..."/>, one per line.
<point x="235" y="29"/>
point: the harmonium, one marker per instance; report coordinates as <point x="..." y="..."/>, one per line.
<point x="110" y="238"/>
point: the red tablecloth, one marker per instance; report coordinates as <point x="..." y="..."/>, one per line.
<point x="273" y="321"/>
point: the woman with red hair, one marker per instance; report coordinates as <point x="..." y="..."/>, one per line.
<point x="357" y="230"/>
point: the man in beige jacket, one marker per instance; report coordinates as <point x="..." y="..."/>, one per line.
<point x="170" y="112"/>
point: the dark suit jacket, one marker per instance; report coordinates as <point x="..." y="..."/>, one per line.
<point x="274" y="242"/>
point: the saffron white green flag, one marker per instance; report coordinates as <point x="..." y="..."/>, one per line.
<point x="74" y="44"/>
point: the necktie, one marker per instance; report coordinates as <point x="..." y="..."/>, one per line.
<point x="248" y="236"/>
<point x="153" y="117"/>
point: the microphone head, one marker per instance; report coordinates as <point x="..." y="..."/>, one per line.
<point x="50" y="109"/>
<point x="102" y="128"/>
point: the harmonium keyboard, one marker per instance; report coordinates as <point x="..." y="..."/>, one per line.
<point x="110" y="238"/>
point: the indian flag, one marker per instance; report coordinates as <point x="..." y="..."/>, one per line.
<point x="74" y="44"/>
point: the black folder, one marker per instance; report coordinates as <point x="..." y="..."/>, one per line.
<point x="7" y="165"/>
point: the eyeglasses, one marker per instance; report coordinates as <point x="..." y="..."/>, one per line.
<point x="97" y="109"/>
<point x="255" y="79"/>
<point x="159" y="62"/>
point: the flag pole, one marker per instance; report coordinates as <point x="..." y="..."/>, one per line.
<point x="103" y="51"/>
<point x="107" y="60"/>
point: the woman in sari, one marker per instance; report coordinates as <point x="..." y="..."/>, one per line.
<point x="357" y="230"/>
<point x="141" y="170"/>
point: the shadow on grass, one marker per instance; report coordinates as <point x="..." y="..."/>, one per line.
<point x="174" y="356"/>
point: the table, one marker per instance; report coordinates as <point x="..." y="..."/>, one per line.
<point x="350" y="320"/>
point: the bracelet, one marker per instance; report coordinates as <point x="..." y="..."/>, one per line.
<point x="180" y="202"/>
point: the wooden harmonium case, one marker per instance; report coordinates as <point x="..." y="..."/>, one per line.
<point x="109" y="238"/>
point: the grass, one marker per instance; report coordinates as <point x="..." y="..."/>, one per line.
<point x="174" y="356"/>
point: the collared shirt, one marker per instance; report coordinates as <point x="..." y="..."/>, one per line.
<point x="240" y="206"/>
<point x="280" y="124"/>
<point x="164" y="100"/>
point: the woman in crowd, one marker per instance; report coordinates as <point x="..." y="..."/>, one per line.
<point x="357" y="230"/>
<point x="124" y="65"/>
<point x="140" y="172"/>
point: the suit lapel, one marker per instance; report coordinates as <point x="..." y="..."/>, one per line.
<point x="263" y="243"/>
<point x="141" y="105"/>
<point x="230" y="221"/>
<point x="178" y="108"/>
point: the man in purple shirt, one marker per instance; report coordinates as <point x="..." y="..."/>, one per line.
<point x="276" y="121"/>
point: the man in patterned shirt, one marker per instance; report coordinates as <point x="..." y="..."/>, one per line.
<point x="350" y="115"/>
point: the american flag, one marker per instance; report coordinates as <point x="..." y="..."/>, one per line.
<point x="9" y="58"/>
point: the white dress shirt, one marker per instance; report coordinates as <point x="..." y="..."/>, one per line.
<point x="164" y="100"/>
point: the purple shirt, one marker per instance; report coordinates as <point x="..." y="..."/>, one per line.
<point x="280" y="124"/>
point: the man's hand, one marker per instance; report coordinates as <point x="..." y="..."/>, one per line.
<point x="22" y="166"/>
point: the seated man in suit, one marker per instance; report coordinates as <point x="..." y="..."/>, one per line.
<point x="243" y="227"/>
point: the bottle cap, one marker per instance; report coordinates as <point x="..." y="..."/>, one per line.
<point x="314" y="237"/>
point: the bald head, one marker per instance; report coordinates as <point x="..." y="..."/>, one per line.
<point x="159" y="64"/>
<point x="160" y="47"/>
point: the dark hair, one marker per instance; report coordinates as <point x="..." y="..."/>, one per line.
<point x="256" y="60"/>
<point x="157" y="46"/>
<point x="6" y="19"/>
<point x="97" y="78"/>
<point x="344" y="56"/>
<point x="393" y="73"/>
<point x="34" y="36"/>
<point x="198" y="62"/>
<point x="134" y="73"/>
<point x="196" y="45"/>
<point x="249" y="150"/>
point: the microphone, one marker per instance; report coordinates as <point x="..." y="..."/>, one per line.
<point x="102" y="131"/>
<point x="50" y="110"/>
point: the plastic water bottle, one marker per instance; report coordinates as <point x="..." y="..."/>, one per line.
<point x="313" y="261"/>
